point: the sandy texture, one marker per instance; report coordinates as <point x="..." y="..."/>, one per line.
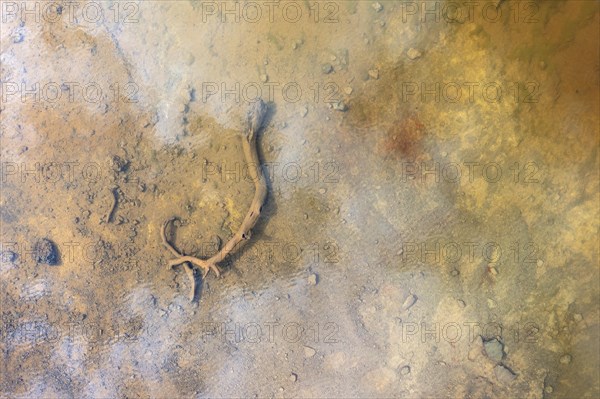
<point x="431" y="225"/>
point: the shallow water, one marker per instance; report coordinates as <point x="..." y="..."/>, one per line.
<point x="431" y="226"/>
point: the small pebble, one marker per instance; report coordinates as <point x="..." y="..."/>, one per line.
<point x="312" y="279"/>
<point x="340" y="106"/>
<point x="377" y="7"/>
<point x="405" y="370"/>
<point x="327" y="68"/>
<point x="503" y="374"/>
<point x="348" y="90"/>
<point x="493" y="271"/>
<point x="413" y="54"/>
<point x="18" y="38"/>
<point x="577" y="317"/>
<point x="121" y="165"/>
<point x="309" y="352"/>
<point x="461" y="303"/>
<point x="322" y="190"/>
<point x="494" y="349"/>
<point x="8" y="256"/>
<point x="409" y="302"/>
<point x="540" y="263"/>
<point x="566" y="359"/>
<point x="264" y="78"/>
<point x="454" y="273"/>
<point x="46" y="252"/>
<point x="374" y="73"/>
<point x="549" y="389"/>
<point x="293" y="377"/>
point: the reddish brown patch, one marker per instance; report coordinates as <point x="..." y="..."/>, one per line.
<point x="404" y="138"/>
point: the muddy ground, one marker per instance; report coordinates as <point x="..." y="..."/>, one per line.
<point x="431" y="227"/>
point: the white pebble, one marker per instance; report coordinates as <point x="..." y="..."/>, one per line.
<point x="413" y="53"/>
<point x="377" y="6"/>
<point x="309" y="352"/>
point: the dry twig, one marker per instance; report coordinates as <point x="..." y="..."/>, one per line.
<point x="255" y="119"/>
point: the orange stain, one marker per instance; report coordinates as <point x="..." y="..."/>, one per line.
<point x="404" y="138"/>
